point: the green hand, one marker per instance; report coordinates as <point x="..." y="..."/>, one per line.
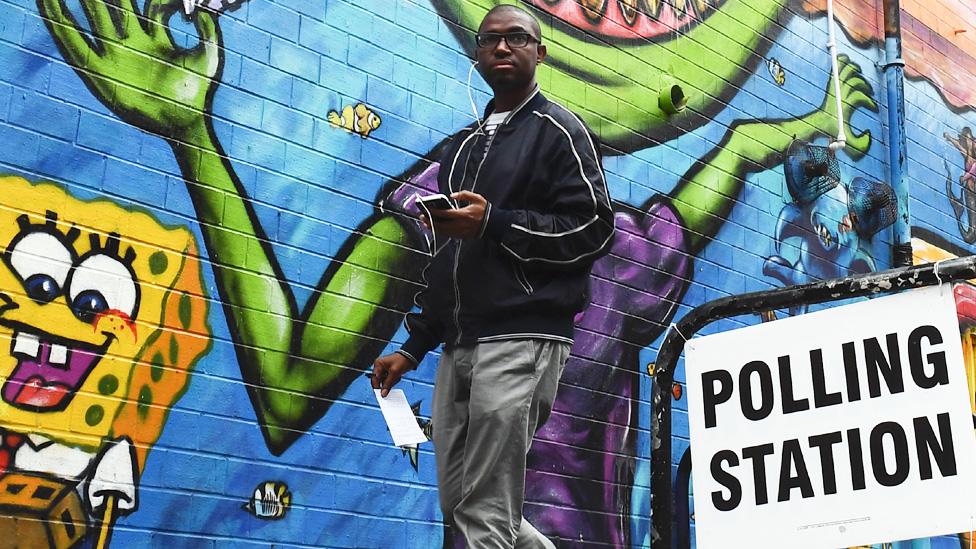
<point x="855" y="93"/>
<point x="133" y="66"/>
<point x="707" y="192"/>
<point x="294" y="363"/>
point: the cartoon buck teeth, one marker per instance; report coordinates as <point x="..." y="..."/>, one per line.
<point x="103" y="330"/>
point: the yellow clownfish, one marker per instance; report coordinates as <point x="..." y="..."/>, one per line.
<point x="357" y="119"/>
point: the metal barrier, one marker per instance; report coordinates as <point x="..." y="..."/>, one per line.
<point x="893" y="280"/>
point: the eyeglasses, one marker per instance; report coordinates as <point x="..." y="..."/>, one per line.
<point x="490" y="40"/>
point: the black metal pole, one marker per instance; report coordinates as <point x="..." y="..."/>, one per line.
<point x="663" y="503"/>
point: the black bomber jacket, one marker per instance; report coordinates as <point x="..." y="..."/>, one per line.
<point x="548" y="219"/>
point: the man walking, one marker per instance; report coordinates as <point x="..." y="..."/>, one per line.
<point x="510" y="271"/>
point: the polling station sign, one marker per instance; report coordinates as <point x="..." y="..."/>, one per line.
<point x="842" y="427"/>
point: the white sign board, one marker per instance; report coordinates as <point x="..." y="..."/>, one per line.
<point x="842" y="427"/>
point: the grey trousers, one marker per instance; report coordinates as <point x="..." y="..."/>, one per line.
<point x="489" y="400"/>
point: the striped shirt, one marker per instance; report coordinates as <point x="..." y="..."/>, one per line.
<point x="491" y="124"/>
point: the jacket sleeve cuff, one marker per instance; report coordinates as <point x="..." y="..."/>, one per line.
<point x="409" y="357"/>
<point x="415" y="348"/>
<point x="497" y="222"/>
<point x="484" y="222"/>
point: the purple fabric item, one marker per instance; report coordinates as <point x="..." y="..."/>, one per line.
<point x="581" y="464"/>
<point x="401" y="200"/>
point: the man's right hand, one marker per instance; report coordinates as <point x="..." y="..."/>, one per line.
<point x="387" y="371"/>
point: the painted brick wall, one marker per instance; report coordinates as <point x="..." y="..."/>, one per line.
<point x="207" y="239"/>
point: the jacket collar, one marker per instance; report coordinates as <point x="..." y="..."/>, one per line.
<point x="533" y="100"/>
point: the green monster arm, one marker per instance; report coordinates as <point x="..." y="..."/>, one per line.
<point x="707" y="192"/>
<point x="294" y="364"/>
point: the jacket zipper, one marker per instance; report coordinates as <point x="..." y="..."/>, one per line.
<point x="522" y="279"/>
<point x="474" y="184"/>
<point x="457" y="253"/>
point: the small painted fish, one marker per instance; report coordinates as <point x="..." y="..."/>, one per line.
<point x="271" y="500"/>
<point x="413" y="450"/>
<point x="776" y="71"/>
<point x="358" y="119"/>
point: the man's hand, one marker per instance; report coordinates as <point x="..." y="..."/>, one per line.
<point x="387" y="371"/>
<point x="463" y="222"/>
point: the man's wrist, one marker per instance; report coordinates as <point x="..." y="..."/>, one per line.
<point x="498" y="223"/>
<point x="412" y="359"/>
<point x="484" y="220"/>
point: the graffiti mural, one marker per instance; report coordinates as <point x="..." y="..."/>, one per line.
<point x="290" y="138"/>
<point x="829" y="222"/>
<point x="666" y="45"/>
<point x="650" y="263"/>
<point x="286" y="355"/>
<point x="964" y="201"/>
<point x="103" y="331"/>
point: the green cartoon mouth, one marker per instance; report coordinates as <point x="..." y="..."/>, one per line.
<point x="608" y="59"/>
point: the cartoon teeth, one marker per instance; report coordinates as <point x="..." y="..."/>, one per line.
<point x="653" y="7"/>
<point x="825" y="236"/>
<point x="593" y="9"/>
<point x="58" y="355"/>
<point x="48" y="374"/>
<point x="26" y="344"/>
<point x="662" y="11"/>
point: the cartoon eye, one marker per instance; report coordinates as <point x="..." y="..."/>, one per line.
<point x="101" y="283"/>
<point x="88" y="305"/>
<point x="42" y="288"/>
<point x="42" y="262"/>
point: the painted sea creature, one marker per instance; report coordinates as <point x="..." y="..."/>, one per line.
<point x="964" y="204"/>
<point x="826" y="231"/>
<point x="413" y="450"/>
<point x="358" y="119"/>
<point x="271" y="500"/>
<point x="776" y="71"/>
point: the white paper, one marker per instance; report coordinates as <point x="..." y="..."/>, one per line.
<point x="919" y="506"/>
<point x="399" y="418"/>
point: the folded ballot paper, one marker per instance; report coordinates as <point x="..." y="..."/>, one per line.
<point x="399" y="418"/>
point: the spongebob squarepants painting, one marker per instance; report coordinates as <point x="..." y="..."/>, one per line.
<point x="103" y="313"/>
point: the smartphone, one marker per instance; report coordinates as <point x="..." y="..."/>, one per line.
<point x="435" y="202"/>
